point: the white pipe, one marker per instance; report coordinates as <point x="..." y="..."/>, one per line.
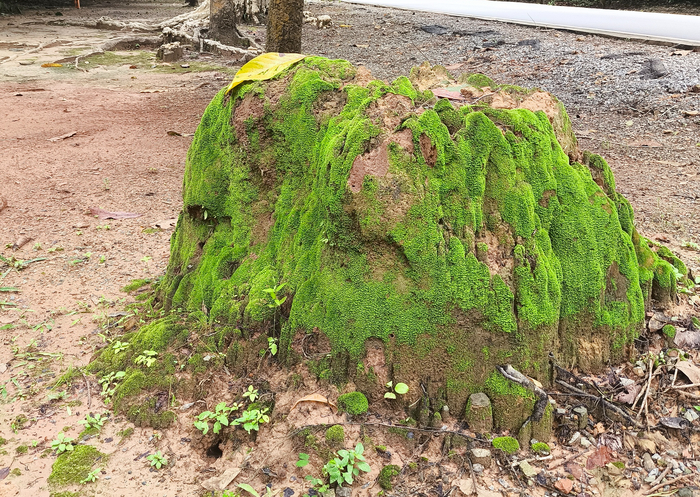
<point x="669" y="28"/>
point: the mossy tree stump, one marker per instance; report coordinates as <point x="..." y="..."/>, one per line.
<point x="458" y="237"/>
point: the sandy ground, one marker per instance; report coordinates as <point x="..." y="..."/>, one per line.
<point x="120" y="157"/>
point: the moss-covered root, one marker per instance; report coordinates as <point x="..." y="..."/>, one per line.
<point x="71" y="468"/>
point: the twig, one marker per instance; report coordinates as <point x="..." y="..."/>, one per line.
<point x="569" y="459"/>
<point x="692" y="385"/>
<point x="87" y="384"/>
<point x="606" y="404"/>
<point x="471" y="470"/>
<point x="646" y="394"/>
<point x="661" y="476"/>
<point x="675" y="480"/>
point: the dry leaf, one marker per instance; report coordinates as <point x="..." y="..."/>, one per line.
<point x="4" y="472"/>
<point x="51" y="64"/>
<point x="687" y="339"/>
<point x="452" y="95"/>
<point x="102" y="214"/>
<point x="564" y="485"/>
<point x="314" y="397"/>
<point x="173" y="133"/>
<point x="600" y="458"/>
<point x="690" y="370"/>
<point x="63" y="137"/>
<point x="630" y="393"/>
<point x="691" y="113"/>
<point x="219" y="483"/>
<point x="153" y="91"/>
<point x="21" y="241"/>
<point x="452" y="67"/>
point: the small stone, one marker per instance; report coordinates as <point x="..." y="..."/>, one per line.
<point x="654" y="472"/>
<point x="691" y="415"/>
<point x="685" y="492"/>
<point x="582" y="414"/>
<point x="503" y="483"/>
<point x="677" y="471"/>
<point x="657" y="68"/>
<point x="672" y="453"/>
<point x="575" y="438"/>
<point x="656" y="457"/>
<point x="482" y="457"/>
<point x="650" y="478"/>
<point x="343" y="492"/>
<point x="639" y="372"/>
<point x="478" y="468"/>
<point x="648" y="462"/>
<point x="694" y="89"/>
<point x="527" y="469"/>
<point x="585" y="443"/>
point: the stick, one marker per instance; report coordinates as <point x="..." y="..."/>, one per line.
<point x="675" y="480"/>
<point x="607" y="404"/>
<point x="471" y="470"/>
<point x="661" y="476"/>
<point x="87" y="384"/>
<point x="569" y="459"/>
<point x="646" y="394"/>
<point x="680" y="387"/>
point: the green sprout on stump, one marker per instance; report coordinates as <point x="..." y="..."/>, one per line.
<point x="400" y="388"/>
<point x="157" y="460"/>
<point x="62" y="443"/>
<point x="147" y="357"/>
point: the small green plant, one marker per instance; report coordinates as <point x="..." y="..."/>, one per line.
<point x="157" y="460"/>
<point x="220" y="418"/>
<point x="252" y="418"/>
<point x="118" y="347"/>
<point x="345" y="467"/>
<point x="272" y="293"/>
<point x="57" y="395"/>
<point x="62" y="443"/>
<point x="400" y="388"/>
<point x="91" y="476"/>
<point x="251" y="393"/>
<point x="147" y="358"/>
<point x="272" y="345"/>
<point x="318" y="484"/>
<point x="109" y="383"/>
<point x="95" y="421"/>
<point x="303" y="460"/>
<point x="57" y="248"/>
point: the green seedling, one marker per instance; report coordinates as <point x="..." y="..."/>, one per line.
<point x="118" y="347"/>
<point x="57" y="395"/>
<point x="251" y="393"/>
<point x="252" y="418"/>
<point x="400" y="388"/>
<point x="272" y="293"/>
<point x="91" y="476"/>
<point x="147" y="357"/>
<point x="62" y="443"/>
<point x="303" y="460"/>
<point x="220" y="418"/>
<point x="91" y="421"/>
<point x="272" y="345"/>
<point x="345" y="467"/>
<point x="157" y="460"/>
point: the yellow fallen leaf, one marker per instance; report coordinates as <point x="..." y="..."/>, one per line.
<point x="314" y="397"/>
<point x="51" y="64"/>
<point x="263" y="67"/>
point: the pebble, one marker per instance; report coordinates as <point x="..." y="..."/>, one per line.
<point x="677" y="471"/>
<point x="478" y="468"/>
<point x="648" y="462"/>
<point x="585" y="442"/>
<point x="656" y="457"/>
<point x="672" y="453"/>
<point x="574" y="438"/>
<point x="654" y="472"/>
<point x="503" y="483"/>
<point x="685" y="492"/>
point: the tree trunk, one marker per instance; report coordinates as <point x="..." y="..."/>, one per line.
<point x="251" y="11"/>
<point x="284" y="24"/>
<point x="222" y="24"/>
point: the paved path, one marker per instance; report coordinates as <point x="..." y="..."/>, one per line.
<point x="671" y="28"/>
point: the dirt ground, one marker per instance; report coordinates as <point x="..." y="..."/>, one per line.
<point x="113" y="134"/>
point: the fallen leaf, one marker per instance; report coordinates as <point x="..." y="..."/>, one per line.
<point x="691" y="113"/>
<point x="133" y="67"/>
<point x="219" y="483"/>
<point x="102" y="214"/>
<point x="687" y="339"/>
<point x="21" y="241"/>
<point x="564" y="485"/>
<point x="173" y="133"/>
<point x="452" y="67"/>
<point x="51" y="64"/>
<point x="314" y="397"/>
<point x="630" y="393"/>
<point x="601" y="456"/>
<point x="690" y="370"/>
<point x="681" y="52"/>
<point x="63" y="137"/>
<point x="452" y="95"/>
<point x="3" y="203"/>
<point x="4" y="472"/>
<point x="575" y="470"/>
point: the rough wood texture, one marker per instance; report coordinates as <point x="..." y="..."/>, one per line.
<point x="284" y="24"/>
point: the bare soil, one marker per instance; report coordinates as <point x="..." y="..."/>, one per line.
<point x="119" y="108"/>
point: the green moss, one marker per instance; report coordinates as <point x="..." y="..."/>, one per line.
<point x="16" y="472"/>
<point x="88" y="432"/>
<point x="540" y="448"/>
<point x="353" y="403"/>
<point x="696" y="322"/>
<point x="3" y="441"/>
<point x="72" y="467"/>
<point x="335" y="436"/>
<point x="509" y="445"/>
<point x="125" y="433"/>
<point x="420" y="257"/>
<point x="21" y="449"/>
<point x="134" y="285"/>
<point x="387" y="474"/>
<point x="669" y="331"/>
<point x="65" y="493"/>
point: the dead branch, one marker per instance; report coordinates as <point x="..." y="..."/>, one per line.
<point x="669" y="483"/>
<point x="569" y="459"/>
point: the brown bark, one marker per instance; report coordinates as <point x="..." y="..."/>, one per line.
<point x="284" y="23"/>
<point x="222" y="24"/>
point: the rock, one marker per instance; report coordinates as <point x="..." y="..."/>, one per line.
<point x="527" y="469"/>
<point x="654" y="472"/>
<point x="672" y="453"/>
<point x="647" y="462"/>
<point x="322" y="22"/>
<point x="479" y="414"/>
<point x="685" y="492"/>
<point x="534" y="43"/>
<point x="656" y="457"/>
<point x="435" y="29"/>
<point x="695" y="89"/>
<point x="574" y="439"/>
<point x="343" y="492"/>
<point x="564" y="485"/>
<point x="691" y="415"/>
<point x="638" y="372"/>
<point x="481" y="456"/>
<point x="582" y="414"/>
<point x="585" y="443"/>
<point x="170" y="52"/>
<point x="478" y="468"/>
<point x="677" y="471"/>
<point x="657" y="68"/>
